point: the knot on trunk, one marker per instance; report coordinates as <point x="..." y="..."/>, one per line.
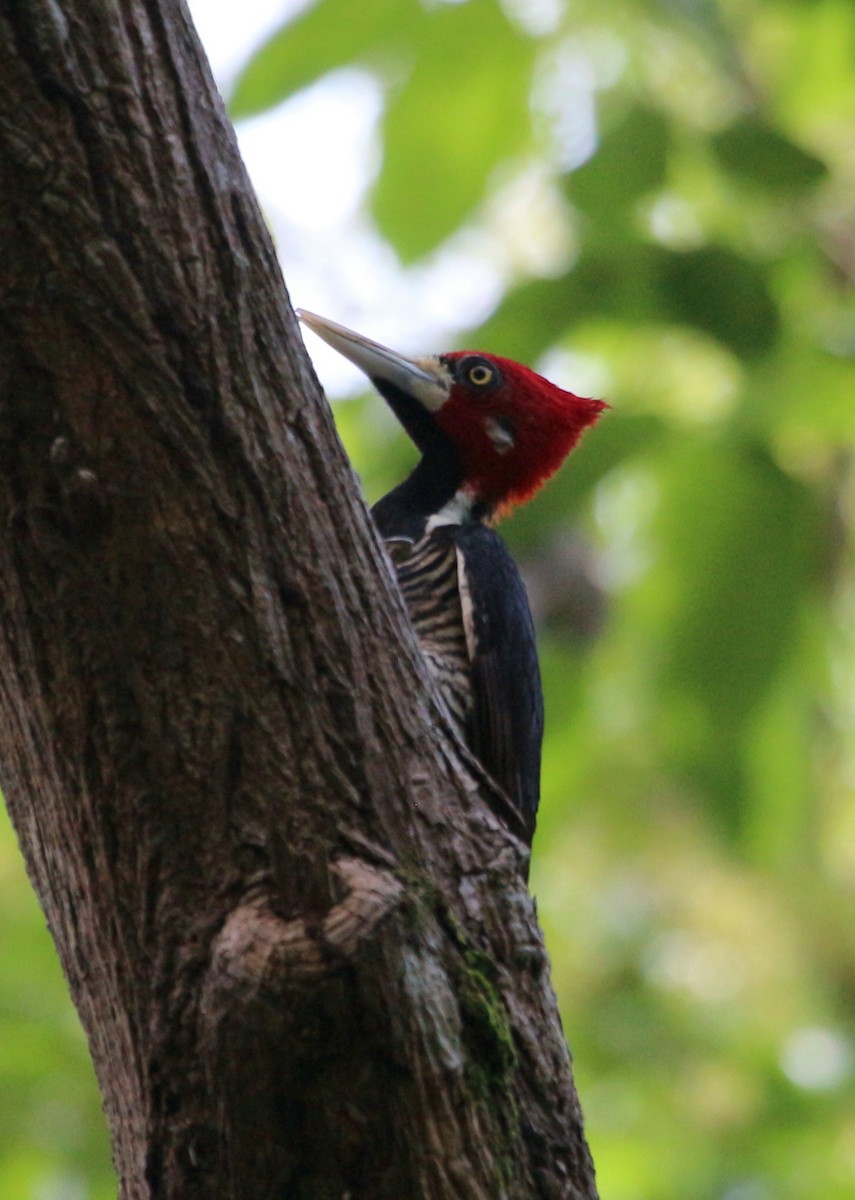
<point x="259" y="954"/>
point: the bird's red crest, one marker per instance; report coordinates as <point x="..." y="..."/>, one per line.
<point x="512" y="428"/>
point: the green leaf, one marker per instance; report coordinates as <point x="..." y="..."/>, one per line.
<point x="762" y="155"/>
<point x="329" y="35"/>
<point x="615" y="281"/>
<point x="463" y="110"/>
<point x="722" y="293"/>
<point x="778" y="761"/>
<point x="712" y="288"/>
<point x="737" y="538"/>
<point x="631" y="160"/>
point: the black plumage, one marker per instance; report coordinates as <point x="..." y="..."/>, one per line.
<point x="469" y="607"/>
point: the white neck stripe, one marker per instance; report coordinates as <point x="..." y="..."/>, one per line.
<point x="457" y="511"/>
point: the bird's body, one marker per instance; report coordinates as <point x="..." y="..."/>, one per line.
<point x="429" y="577"/>
<point x="490" y="432"/>
<point x="480" y="647"/>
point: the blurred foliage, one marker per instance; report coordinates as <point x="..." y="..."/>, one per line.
<point x="691" y="567"/>
<point x="53" y="1139"/>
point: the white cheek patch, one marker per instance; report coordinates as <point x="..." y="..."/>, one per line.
<point x="499" y="435"/>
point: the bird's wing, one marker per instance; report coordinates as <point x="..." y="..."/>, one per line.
<point x="507" y="711"/>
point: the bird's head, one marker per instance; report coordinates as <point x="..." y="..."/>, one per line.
<point x="507" y="427"/>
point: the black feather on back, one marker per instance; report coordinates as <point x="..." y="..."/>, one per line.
<point x="507" y="711"/>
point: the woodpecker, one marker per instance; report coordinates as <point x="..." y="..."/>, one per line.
<point x="490" y="432"/>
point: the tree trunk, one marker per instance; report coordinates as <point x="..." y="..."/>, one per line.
<point x="295" y="930"/>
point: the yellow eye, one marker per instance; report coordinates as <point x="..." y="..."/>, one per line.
<point x="478" y="372"/>
<point x="480" y="375"/>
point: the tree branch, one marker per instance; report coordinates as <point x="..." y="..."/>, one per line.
<point x="295" y="931"/>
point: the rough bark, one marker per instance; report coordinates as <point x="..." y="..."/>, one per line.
<point x="294" y="928"/>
